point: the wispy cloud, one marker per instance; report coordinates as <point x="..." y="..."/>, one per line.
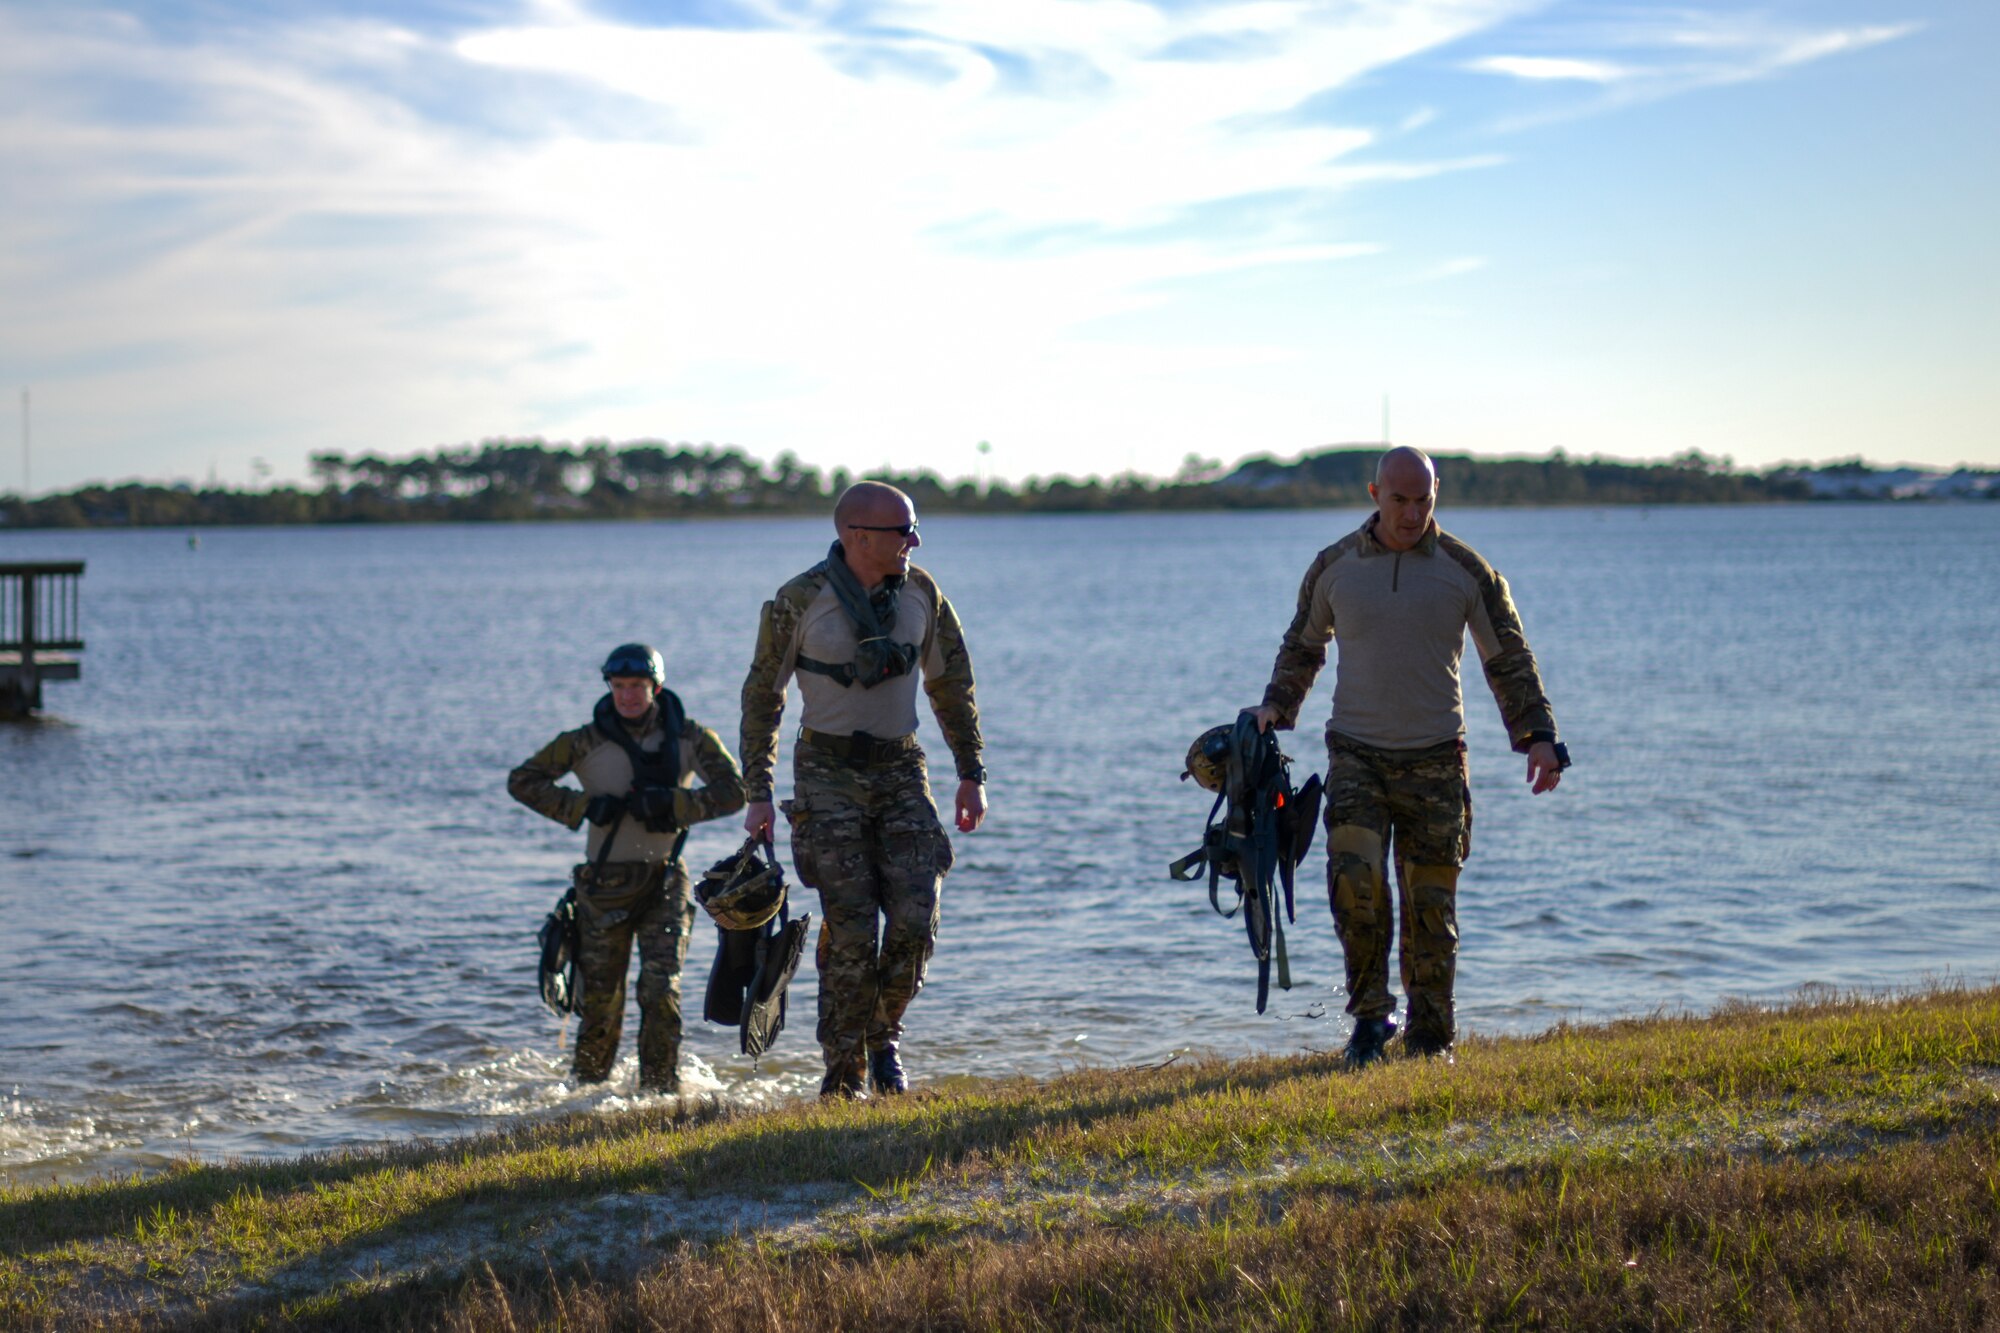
<point x="693" y="210"/>
<point x="807" y="224"/>
<point x="1817" y="46"/>
<point x="1450" y="268"/>
<point x="1541" y="68"/>
<point x="1637" y="57"/>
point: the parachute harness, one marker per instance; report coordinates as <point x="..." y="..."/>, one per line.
<point x="1266" y="829"/>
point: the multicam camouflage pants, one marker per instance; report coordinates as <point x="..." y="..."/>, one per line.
<point x="628" y="901"/>
<point x="1418" y="803"/>
<point x="868" y="838"/>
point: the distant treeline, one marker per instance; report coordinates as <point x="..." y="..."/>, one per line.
<point x="504" y="480"/>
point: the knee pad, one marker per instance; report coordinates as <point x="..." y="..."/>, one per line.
<point x="1355" y="854"/>
<point x="1433" y="916"/>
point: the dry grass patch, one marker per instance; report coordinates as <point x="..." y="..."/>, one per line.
<point x="1122" y="1183"/>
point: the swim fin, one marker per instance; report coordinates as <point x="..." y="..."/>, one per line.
<point x="1302" y="813"/>
<point x="778" y="957"/>
<point x="733" y="973"/>
<point x="556" y="971"/>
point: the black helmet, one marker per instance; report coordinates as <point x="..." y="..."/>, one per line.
<point x="636" y="659"/>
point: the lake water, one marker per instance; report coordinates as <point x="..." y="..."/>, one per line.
<point x="262" y="891"/>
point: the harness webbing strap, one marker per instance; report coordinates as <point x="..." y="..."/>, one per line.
<point x="1284" y="959"/>
<point x="604" y="851"/>
<point x="843" y="672"/>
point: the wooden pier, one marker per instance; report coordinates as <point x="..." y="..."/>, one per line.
<point x="41" y="631"/>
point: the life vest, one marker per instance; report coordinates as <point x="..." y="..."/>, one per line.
<point x="661" y="767"/>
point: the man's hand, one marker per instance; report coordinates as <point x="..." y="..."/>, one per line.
<point x="757" y="819"/>
<point x="1267" y="716"/>
<point x="1544" y="772"/>
<point x="603" y="808"/>
<point x="971" y="804"/>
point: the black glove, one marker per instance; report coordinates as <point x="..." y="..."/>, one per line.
<point x="660" y="809"/>
<point x="603" y="809"/>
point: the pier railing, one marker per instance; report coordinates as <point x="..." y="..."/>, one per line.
<point x="41" y="630"/>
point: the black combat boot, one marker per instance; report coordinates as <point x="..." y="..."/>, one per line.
<point x="885" y="1071"/>
<point x="846" y="1081"/>
<point x="1427" y="1045"/>
<point x="1370" y="1036"/>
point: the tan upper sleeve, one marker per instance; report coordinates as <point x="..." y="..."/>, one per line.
<point x="947" y="667"/>
<point x="1511" y="670"/>
<point x="721" y="792"/>
<point x="1302" y="652"/>
<point x="764" y="688"/>
<point x="536" y="782"/>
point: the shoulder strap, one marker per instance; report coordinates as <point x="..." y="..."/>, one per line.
<point x="604" y="852"/>
<point x="673" y="720"/>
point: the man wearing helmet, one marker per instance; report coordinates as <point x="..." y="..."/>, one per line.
<point x="858" y="629"/>
<point x="636" y="760"/>
<point x="1401" y="594"/>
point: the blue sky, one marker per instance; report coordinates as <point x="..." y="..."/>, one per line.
<point x="1100" y="234"/>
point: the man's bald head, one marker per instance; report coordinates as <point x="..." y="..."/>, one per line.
<point x="1409" y="470"/>
<point x="871" y="502"/>
<point x="878" y="530"/>
<point x="1405" y="492"/>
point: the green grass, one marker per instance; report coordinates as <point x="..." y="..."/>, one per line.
<point x="1832" y="1163"/>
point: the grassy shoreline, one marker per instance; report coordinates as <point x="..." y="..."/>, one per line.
<point x="1833" y="1162"/>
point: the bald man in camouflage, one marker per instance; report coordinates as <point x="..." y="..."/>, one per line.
<point x="858" y="629"/>
<point x="1401" y="593"/>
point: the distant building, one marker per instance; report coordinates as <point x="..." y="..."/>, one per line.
<point x="1858" y="481"/>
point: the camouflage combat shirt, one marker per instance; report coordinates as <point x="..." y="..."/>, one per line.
<point x="1402" y="617"/>
<point x="806" y="617"/>
<point x="603" y="768"/>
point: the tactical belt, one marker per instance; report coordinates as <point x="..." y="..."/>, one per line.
<point x="861" y="748"/>
<point x="1340" y="740"/>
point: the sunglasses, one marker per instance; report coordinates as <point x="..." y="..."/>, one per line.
<point x="902" y="529"/>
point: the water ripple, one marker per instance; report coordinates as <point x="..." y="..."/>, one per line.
<point x="262" y="893"/>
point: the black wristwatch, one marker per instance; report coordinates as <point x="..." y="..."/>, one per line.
<point x="1562" y="751"/>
